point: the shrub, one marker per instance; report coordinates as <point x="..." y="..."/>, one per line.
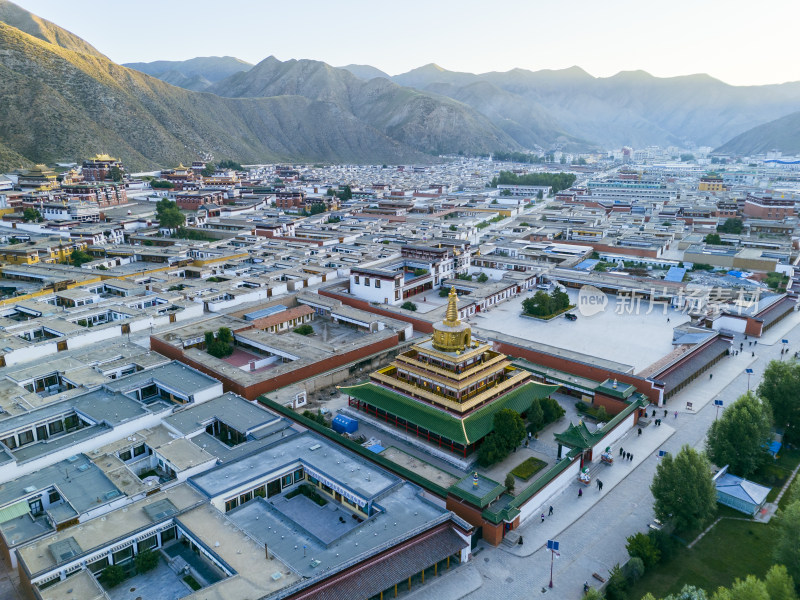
<point x="146" y="561"/>
<point x="536" y="415"/>
<point x="304" y="329"/>
<point x="510" y="482"/>
<point x="641" y="546"/>
<point x="634" y="569"/>
<point x="112" y="576"/>
<point x="420" y="272"/>
<point x="551" y="410"/>
<point x="617" y="584"/>
<point x="409" y="306"/>
<point x="483" y="278"/>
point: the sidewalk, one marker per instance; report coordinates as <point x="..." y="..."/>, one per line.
<point x="704" y="389"/>
<point x="568" y="508"/>
<point x="450" y="586"/>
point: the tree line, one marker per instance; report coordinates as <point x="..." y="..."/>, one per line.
<point x="557" y="181"/>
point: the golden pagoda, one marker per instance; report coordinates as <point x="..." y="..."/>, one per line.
<point x="452" y="370"/>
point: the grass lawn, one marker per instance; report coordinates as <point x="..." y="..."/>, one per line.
<point x="528" y="468"/>
<point x="732" y="549"/>
<point x="775" y="473"/>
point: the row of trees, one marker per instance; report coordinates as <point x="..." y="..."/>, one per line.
<point x="558" y="181"/>
<point x="543" y="304"/>
<point x="227" y="163"/>
<point x="542" y="412"/>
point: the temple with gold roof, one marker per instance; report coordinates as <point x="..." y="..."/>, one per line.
<point x="447" y="388"/>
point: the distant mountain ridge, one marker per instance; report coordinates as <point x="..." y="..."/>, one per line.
<point x="195" y="74"/>
<point x="574" y="110"/>
<point x="782" y="134"/>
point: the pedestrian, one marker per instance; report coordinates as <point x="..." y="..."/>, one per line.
<point x="667" y="319"/>
<point x="631" y="457"/>
<point x="741" y="345"/>
<point x="665" y="412"/>
<point x="621" y="451"/>
<point x="711" y="376"/>
<point x="640" y="431"/>
<point x="529" y="435"/>
<point x="755" y="342"/>
<point x="580" y="492"/>
<point x="754" y="354"/>
<point x="600" y="484"/>
<point x="550" y="514"/>
<point x="749" y="343"/>
<point x="676" y="414"/>
<point x="542" y="517"/>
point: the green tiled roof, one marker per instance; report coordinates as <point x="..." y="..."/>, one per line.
<point x="485" y="492"/>
<point x="578" y="436"/>
<point x="467" y="431"/>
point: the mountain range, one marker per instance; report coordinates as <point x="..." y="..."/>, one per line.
<point x="64" y="100"/>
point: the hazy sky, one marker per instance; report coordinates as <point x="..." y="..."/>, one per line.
<point x="742" y="42"/>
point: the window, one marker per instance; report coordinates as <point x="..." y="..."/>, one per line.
<point x="11" y="442"/>
<point x="298" y="475"/>
<point x="356" y="279"/>
<point x="246" y="497"/>
<point x="71" y="422"/>
<point x="377" y="283"/>
<point x="287" y="480"/>
<point x="125" y="456"/>
<point x="54" y="497"/>
<point x="139" y="450"/>
<point x="123" y="555"/>
<point x="366" y="281"/>
<point x="168" y="534"/>
<point x="98" y="565"/>
<point x="25" y="437"/>
<point x="147" y="543"/>
<point x="231" y="504"/>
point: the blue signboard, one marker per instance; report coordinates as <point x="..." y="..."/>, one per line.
<point x="552" y="545"/>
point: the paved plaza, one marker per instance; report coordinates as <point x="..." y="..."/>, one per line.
<point x="637" y="339"/>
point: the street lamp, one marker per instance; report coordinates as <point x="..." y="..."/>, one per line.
<point x="719" y="403"/>
<point x="749" y="372"/>
<point x="552" y="545"/>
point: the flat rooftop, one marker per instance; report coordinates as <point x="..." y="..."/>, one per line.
<point x="345" y="468"/>
<point x="174" y="375"/>
<point x="233" y="410"/>
<point x="404" y="510"/>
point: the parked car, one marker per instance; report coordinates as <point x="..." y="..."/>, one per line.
<point x="571" y="317"/>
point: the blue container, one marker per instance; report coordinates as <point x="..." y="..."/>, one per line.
<point x="343" y="424"/>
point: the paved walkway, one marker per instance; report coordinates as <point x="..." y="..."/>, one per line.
<point x="595" y="540"/>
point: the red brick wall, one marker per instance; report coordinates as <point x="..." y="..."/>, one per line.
<point x="612" y="405"/>
<point x="491" y="533"/>
<point x="613" y="249"/>
<point x="578" y="368"/>
<point x="270" y="384"/>
<point x="753" y="327"/>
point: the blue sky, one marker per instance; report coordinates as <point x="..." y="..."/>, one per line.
<point x="740" y="42"/>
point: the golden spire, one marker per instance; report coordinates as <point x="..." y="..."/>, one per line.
<point x="451" y="317"/>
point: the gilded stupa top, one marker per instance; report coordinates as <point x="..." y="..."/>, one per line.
<point x="451" y="335"/>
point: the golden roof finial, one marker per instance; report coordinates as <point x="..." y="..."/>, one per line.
<point x="451" y="317"/>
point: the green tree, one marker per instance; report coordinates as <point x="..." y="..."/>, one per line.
<point x="208" y="170"/>
<point x="79" y="257"/>
<point x="536" y="415"/>
<point x="731" y="225"/>
<point x="116" y="174"/>
<point x="687" y="157"/>
<point x="230" y="164"/>
<point x="510" y="482"/>
<point x="345" y="193"/>
<point x="505" y="192"/>
<point x="780" y="585"/>
<point x="483" y="278"/>
<point x="683" y="490"/>
<point x="641" y="546"/>
<point x="551" y="410"/>
<point x="780" y="386"/>
<point x="713" y="238"/>
<point x="559" y="299"/>
<point x="740" y="437"/>
<point x="112" y="576"/>
<point x="453" y="228"/>
<point x="617" y="584"/>
<point x="540" y="195"/>
<point x="304" y="329"/>
<point x="32" y="215"/>
<point x="557" y="181"/>
<point x="489" y="451"/>
<point x="633" y="569"/>
<point x="787" y="549"/>
<point x="408" y="305"/>
<point x="593" y="594"/>
<point x="749" y="588"/>
<point x="146" y="561"/>
<point x="539" y="305"/>
<point x="220" y="345"/>
<point x="169" y="215"/>
<point x="510" y="428"/>
<point x="688" y="592"/>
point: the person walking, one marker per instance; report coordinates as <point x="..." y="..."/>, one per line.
<point x="640" y="431"/>
<point x="676" y="414"/>
<point x="711" y="376"/>
<point x="621" y="451"/>
<point x="580" y="492"/>
<point x="631" y="455"/>
<point x="550" y="514"/>
<point x="600" y="483"/>
<point x="542" y="517"/>
<point x="665" y="412"/>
